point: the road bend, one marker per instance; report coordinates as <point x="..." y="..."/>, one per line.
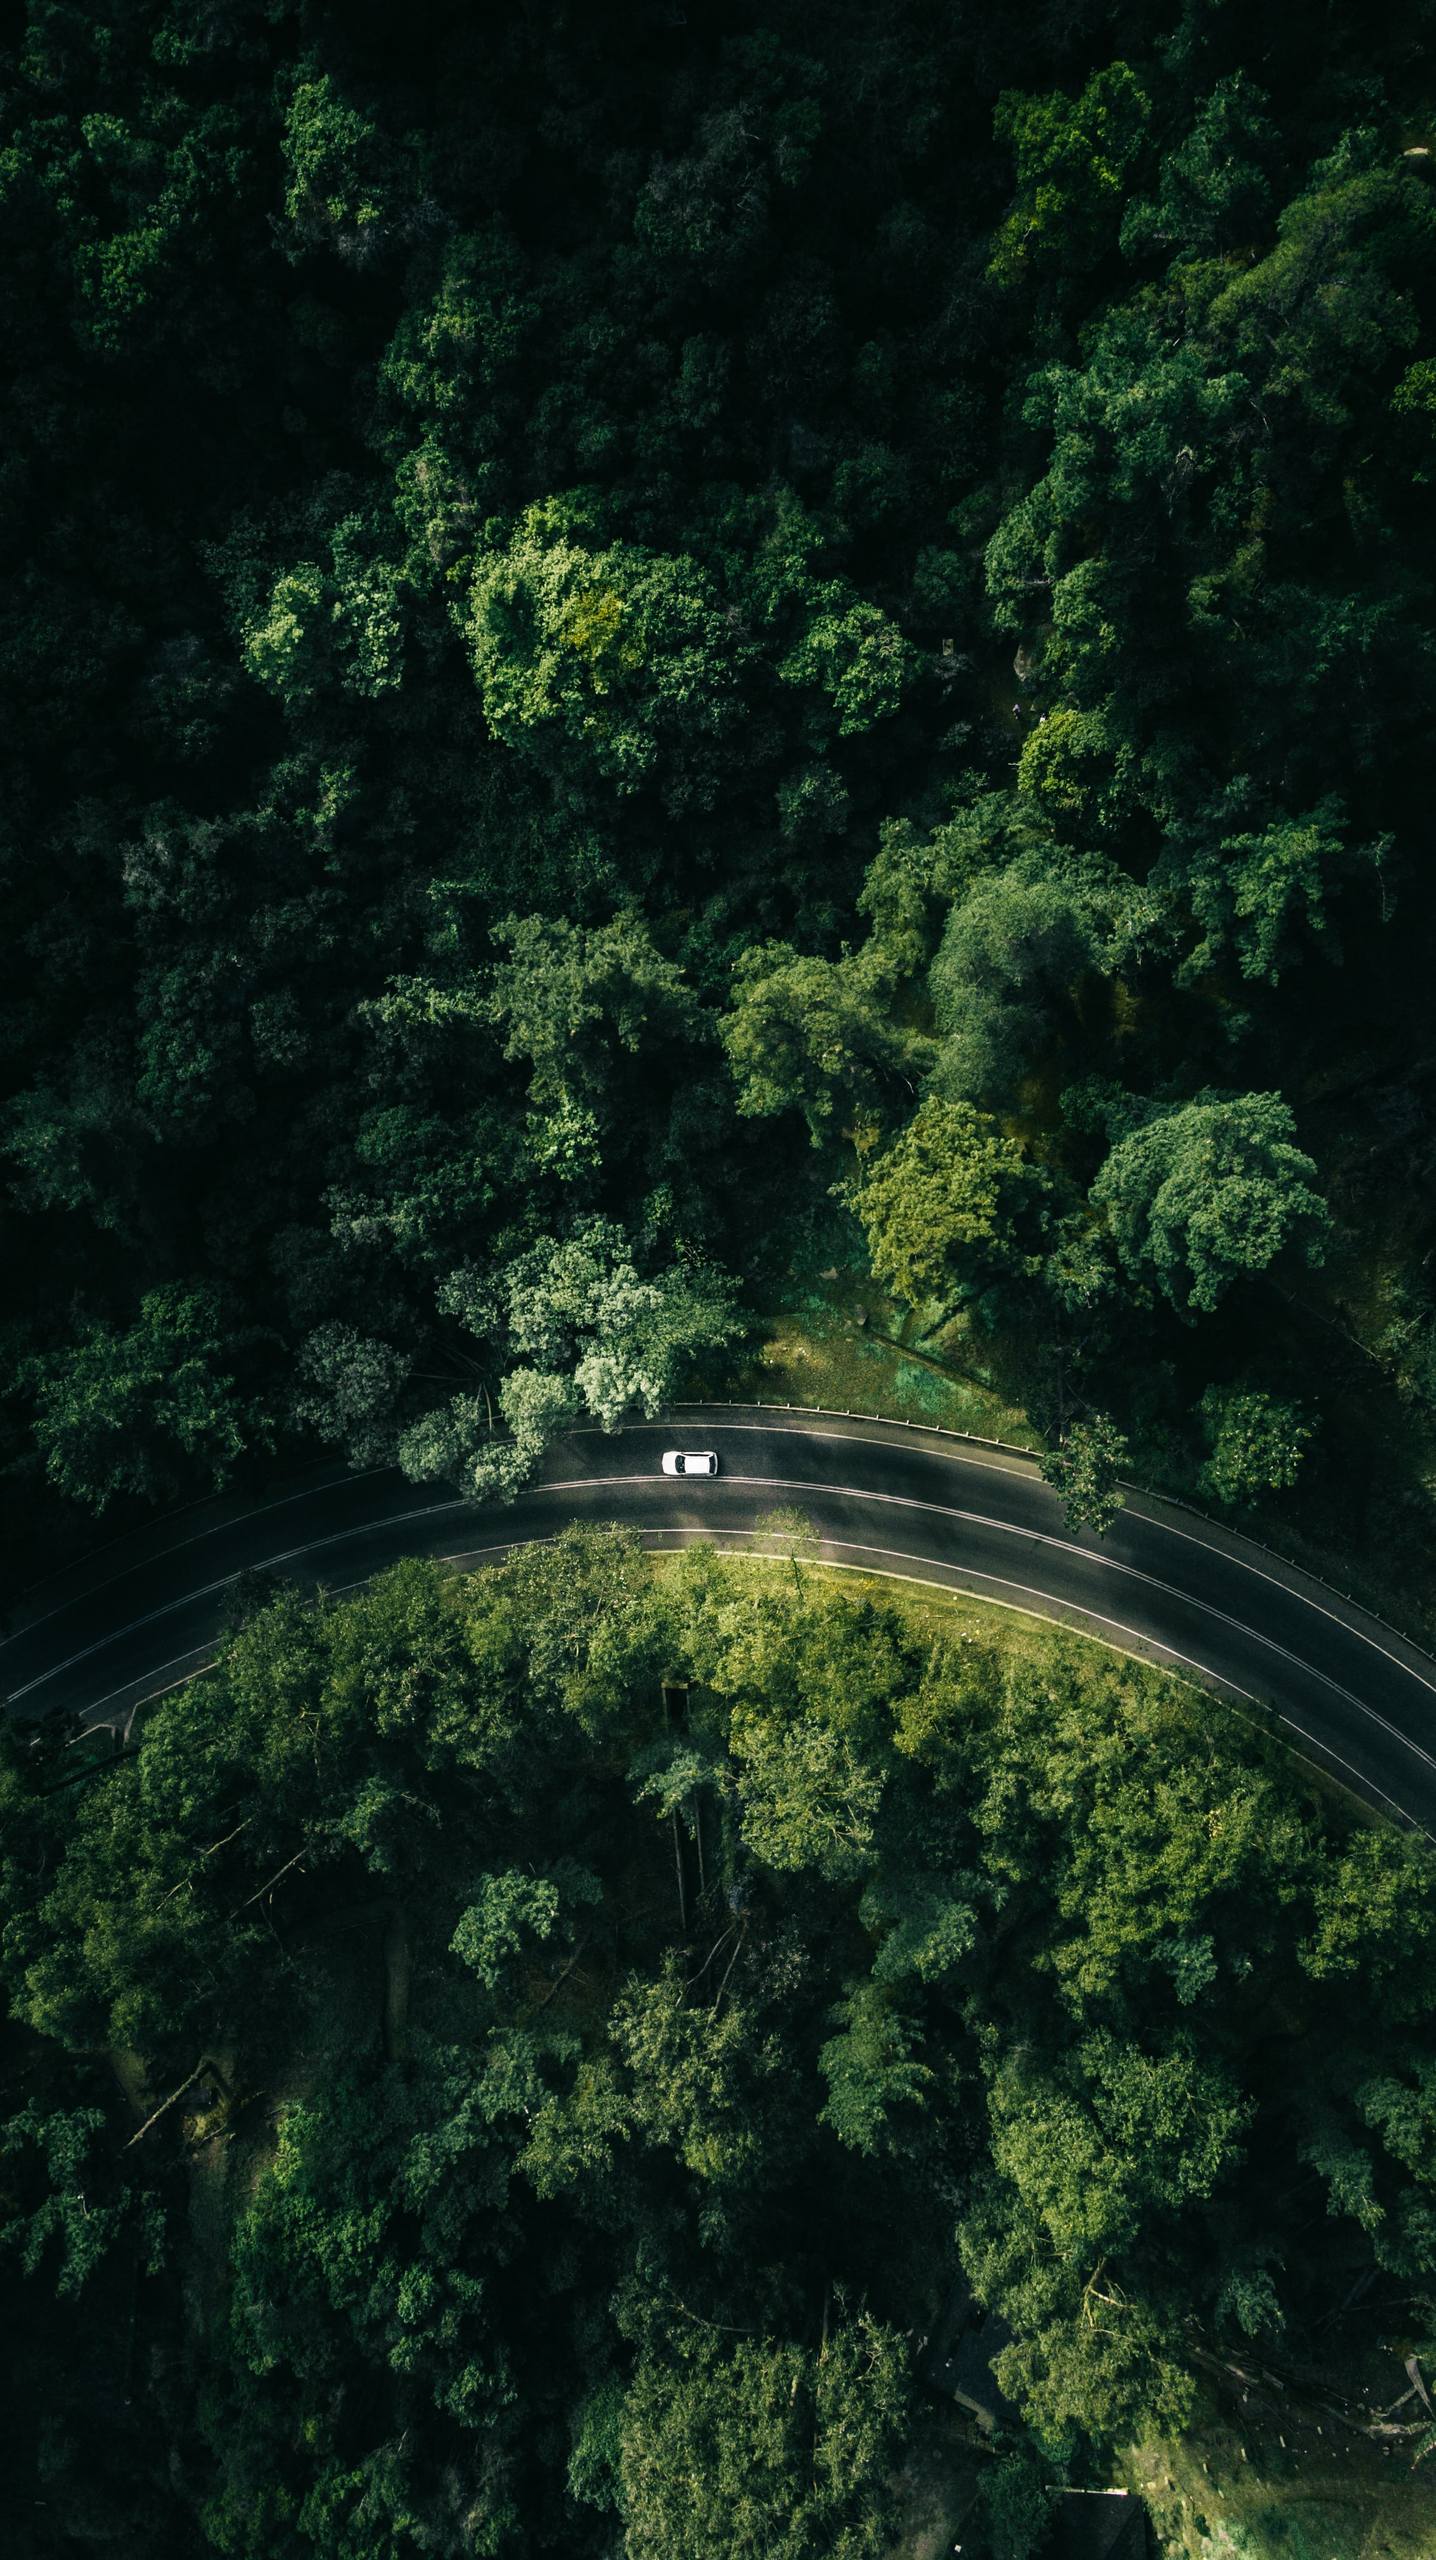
<point x="922" y="1507"/>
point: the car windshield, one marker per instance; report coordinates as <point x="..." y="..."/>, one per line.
<point x="678" y="1466"/>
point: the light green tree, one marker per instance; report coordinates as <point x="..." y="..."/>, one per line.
<point x="603" y="658"/>
<point x="727" y="2451"/>
<point x="344" y="181"/>
<point x="950" y="1206"/>
<point x="570" y="1326"/>
<point x="1208" y="1192"/>
<point x="331" y="625"/>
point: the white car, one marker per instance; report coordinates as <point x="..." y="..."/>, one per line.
<point x="690" y="1462"/>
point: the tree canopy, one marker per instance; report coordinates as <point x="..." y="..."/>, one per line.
<point x="607" y="619"/>
<point x="667" y="665"/>
<point x="471" y="2191"/>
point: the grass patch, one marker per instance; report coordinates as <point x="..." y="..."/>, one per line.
<point x="1235" y="2491"/>
<point x="836" y="1340"/>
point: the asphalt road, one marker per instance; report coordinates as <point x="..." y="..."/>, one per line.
<point x="1353" y="1696"/>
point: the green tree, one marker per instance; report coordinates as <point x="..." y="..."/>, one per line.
<point x="1075" y="766"/>
<point x="1013" y="957"/>
<point x="1208" y="1192"/>
<point x="763" y="2446"/>
<point x="1086" y="1469"/>
<point x="566" y="1000"/>
<point x="873" y="2071"/>
<point x="148" y="1410"/>
<point x="321" y="626"/>
<point x="1253" y="887"/>
<point x="612" y="661"/>
<point x="1214" y="189"/>
<point x="853" y="655"/>
<point x="1074" y="161"/>
<point x="950" y="1206"/>
<point x="815" y="1036"/>
<point x="699" y="2076"/>
<point x="1016" y="2505"/>
<point x="1255" y="1444"/>
<point x="348" y="1392"/>
<point x="344" y="184"/>
<point x="77" y="2210"/>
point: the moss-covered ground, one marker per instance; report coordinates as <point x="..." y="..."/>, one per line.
<point x="835" y="1340"/>
<point x="1238" y="2488"/>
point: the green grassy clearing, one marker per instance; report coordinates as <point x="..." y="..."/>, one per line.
<point x="1225" y="2492"/>
<point x="836" y="1340"/>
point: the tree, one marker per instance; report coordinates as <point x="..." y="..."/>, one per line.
<point x="1087" y="2165"/>
<point x="950" y="1206"/>
<point x="1210" y="1191"/>
<point x="1013" y="955"/>
<point x="344" y="188"/>
<point x="148" y="1410"/>
<point x="349" y="1388"/>
<point x="1086" y="1469"/>
<point x="872" y="2070"/>
<point x="613" y="662"/>
<point x="1016" y="2505"/>
<point x="574" y="1328"/>
<point x="1074" y="159"/>
<point x="452" y="356"/>
<point x="325" y="626"/>
<point x="1214" y="189"/>
<point x="1255" y="1444"/>
<point x="77" y="2201"/>
<point x="567" y="1001"/>
<point x="1075" y="765"/>
<point x="513" y="1908"/>
<point x="815" y="1036"/>
<point x="699" y="2076"/>
<point x="853" y="655"/>
<point x="1253" y="887"/>
<point x="763" y="2446"/>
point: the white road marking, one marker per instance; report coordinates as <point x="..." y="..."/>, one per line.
<point x="1065" y="1546"/>
<point x="1168" y="1528"/>
<point x="241" y="1520"/>
<point x="772" y="1484"/>
<point x="768" y="1484"/>
<point x="204" y="1590"/>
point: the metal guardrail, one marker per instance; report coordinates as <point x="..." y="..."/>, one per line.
<point x="850" y="1413"/>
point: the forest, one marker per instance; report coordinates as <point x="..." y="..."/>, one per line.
<point x="654" y="653"/>
<point x="651" y="648"/>
<point x="502" y="2198"/>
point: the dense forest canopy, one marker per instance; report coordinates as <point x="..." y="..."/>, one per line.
<point x="650" y="651"/>
<point x="496" y="2195"/>
<point x="615" y="613"/>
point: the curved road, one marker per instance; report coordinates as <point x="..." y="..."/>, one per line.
<point x="1353" y="1696"/>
